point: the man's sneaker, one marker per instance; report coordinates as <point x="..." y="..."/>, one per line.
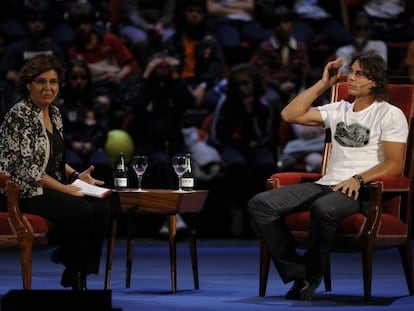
<point x="294" y="291"/>
<point x="303" y="289"/>
<point x="308" y="292"/>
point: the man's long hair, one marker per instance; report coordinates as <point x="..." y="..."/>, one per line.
<point x="375" y="69"/>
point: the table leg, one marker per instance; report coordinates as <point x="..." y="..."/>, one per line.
<point x="194" y="260"/>
<point x="130" y="248"/>
<point x="110" y="251"/>
<point x="173" y="250"/>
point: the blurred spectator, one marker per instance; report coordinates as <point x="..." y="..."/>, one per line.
<point x="392" y="20"/>
<point x="161" y="102"/>
<point x="283" y="60"/>
<point x="111" y="63"/>
<point x="264" y="8"/>
<point x="62" y="31"/>
<point x="234" y="24"/>
<point x="146" y="24"/>
<point x="306" y="147"/>
<point x="322" y="21"/>
<point x="242" y="133"/>
<point x="409" y="61"/>
<point x="86" y="122"/>
<point x="201" y="61"/>
<point x="362" y="44"/>
<point x="35" y="40"/>
<point x="11" y="28"/>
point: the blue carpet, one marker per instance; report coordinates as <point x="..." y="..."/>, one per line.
<point x="228" y="271"/>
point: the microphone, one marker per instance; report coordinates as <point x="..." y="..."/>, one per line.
<point x="364" y="83"/>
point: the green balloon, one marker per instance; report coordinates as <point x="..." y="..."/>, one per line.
<point x="119" y="141"/>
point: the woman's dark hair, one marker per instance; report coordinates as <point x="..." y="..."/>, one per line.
<point x="254" y="74"/>
<point x="71" y="96"/>
<point x="375" y="69"/>
<point x="78" y="63"/>
<point x="37" y="65"/>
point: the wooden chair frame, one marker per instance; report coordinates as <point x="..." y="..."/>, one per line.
<point x="26" y="229"/>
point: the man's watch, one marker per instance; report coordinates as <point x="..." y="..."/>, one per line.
<point x="359" y="179"/>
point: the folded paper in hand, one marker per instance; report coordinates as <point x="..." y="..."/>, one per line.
<point x="92" y="190"/>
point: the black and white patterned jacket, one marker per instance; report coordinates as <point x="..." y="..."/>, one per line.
<point x="24" y="145"/>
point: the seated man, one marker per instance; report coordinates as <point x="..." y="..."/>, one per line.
<point x="368" y="141"/>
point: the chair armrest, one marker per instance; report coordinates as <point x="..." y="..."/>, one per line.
<point x="370" y="228"/>
<point x="376" y="189"/>
<point x="393" y="183"/>
<point x="23" y="229"/>
<point x="287" y="178"/>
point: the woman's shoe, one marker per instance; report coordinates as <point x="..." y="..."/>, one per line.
<point x="74" y="279"/>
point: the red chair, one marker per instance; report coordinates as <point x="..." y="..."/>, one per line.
<point x="22" y="230"/>
<point x="388" y="223"/>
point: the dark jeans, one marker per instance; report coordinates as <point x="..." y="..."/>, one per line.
<point x="80" y="226"/>
<point x="327" y="208"/>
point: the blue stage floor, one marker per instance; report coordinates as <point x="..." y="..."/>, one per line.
<point x="228" y="271"/>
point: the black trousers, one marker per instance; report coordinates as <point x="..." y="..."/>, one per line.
<point x="80" y="226"/>
<point x="327" y="208"/>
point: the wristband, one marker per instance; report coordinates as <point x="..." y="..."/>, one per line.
<point x="359" y="179"/>
<point x="73" y="176"/>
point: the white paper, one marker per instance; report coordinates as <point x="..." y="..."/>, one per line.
<point x="92" y="190"/>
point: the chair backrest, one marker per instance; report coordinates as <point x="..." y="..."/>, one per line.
<point x="402" y="96"/>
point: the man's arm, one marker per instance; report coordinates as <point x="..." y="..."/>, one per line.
<point x="392" y="165"/>
<point x="299" y="109"/>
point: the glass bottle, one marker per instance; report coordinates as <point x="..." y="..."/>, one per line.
<point x="121" y="173"/>
<point x="187" y="180"/>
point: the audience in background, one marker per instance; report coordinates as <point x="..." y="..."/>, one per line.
<point x="10" y="26"/>
<point x="283" y="60"/>
<point x="161" y="102"/>
<point x="242" y="132"/>
<point x="201" y="60"/>
<point x="321" y="21"/>
<point x="305" y="148"/>
<point x="362" y="43"/>
<point x="35" y="40"/>
<point x="235" y="25"/>
<point x="145" y="24"/>
<point x="111" y="63"/>
<point x="392" y="20"/>
<point x="86" y="122"/>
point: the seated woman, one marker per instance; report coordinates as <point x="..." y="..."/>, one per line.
<point x="32" y="153"/>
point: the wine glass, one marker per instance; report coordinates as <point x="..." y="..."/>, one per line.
<point x="139" y="164"/>
<point x="180" y="166"/>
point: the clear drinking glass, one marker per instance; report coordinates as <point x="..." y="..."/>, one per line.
<point x="180" y="166"/>
<point x="139" y="164"/>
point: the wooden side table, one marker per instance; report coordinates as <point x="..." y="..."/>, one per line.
<point x="161" y="202"/>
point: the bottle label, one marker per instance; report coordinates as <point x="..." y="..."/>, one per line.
<point x="187" y="183"/>
<point x="121" y="182"/>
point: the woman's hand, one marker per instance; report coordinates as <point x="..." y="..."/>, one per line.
<point x="87" y="177"/>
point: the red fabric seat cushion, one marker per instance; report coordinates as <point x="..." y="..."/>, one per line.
<point x="39" y="224"/>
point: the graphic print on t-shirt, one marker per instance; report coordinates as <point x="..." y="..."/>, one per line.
<point x="353" y="135"/>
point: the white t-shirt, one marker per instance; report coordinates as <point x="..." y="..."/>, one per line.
<point x="357" y="136"/>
